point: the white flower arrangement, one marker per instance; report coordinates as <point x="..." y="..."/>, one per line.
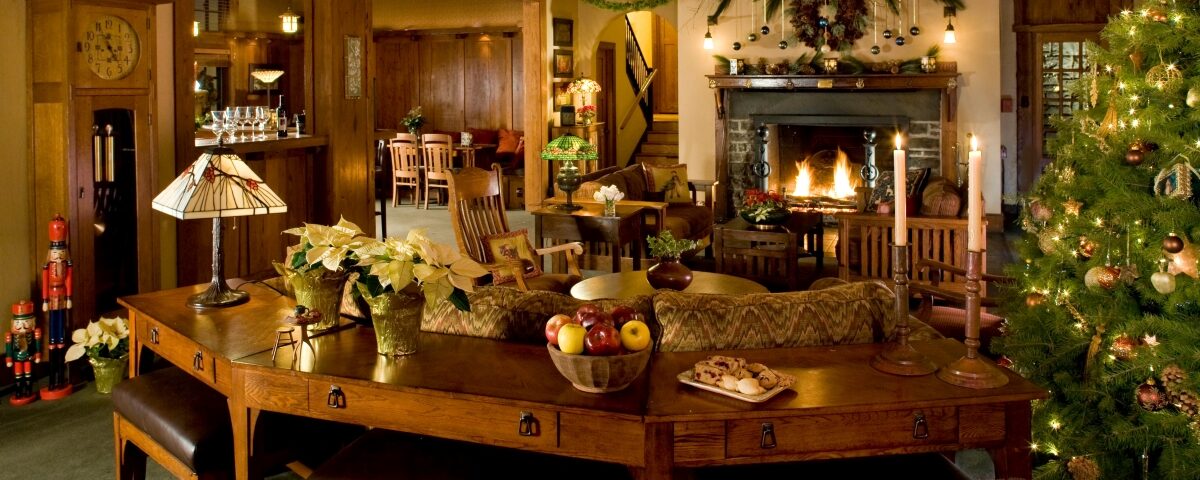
<point x="608" y="194"/>
<point x="107" y="338"/>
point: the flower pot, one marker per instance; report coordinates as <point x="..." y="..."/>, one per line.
<point x="771" y="220"/>
<point x="669" y="273"/>
<point x="320" y="290"/>
<point x="397" y="319"/>
<point x="109" y="372"/>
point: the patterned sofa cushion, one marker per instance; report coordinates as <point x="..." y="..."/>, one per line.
<point x="509" y="314"/>
<point x="847" y="314"/>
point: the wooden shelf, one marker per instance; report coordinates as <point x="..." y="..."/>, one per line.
<point x="866" y="81"/>
<point x="268" y="145"/>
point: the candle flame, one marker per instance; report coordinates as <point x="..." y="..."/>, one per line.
<point x="899" y="141"/>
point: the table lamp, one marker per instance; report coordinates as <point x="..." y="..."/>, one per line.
<point x="218" y="184"/>
<point x="568" y="149"/>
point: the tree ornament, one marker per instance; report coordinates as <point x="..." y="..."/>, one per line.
<point x="1135" y="156"/>
<point x="1150" y="397"/>
<point x="914" y="31"/>
<point x="783" y="45"/>
<point x="1172" y="244"/>
<point x="765" y="30"/>
<point x="1072" y="206"/>
<point x="1005" y="362"/>
<point x="822" y="22"/>
<point x="1083" y="468"/>
<point x="1130" y="273"/>
<point x="1123" y="347"/>
<point x="887" y="33"/>
<point x="826" y="48"/>
<point x="1105" y="277"/>
<point x="875" y="50"/>
<point x="737" y="46"/>
<point x="1087" y="248"/>
<point x="900" y="41"/>
<point x="1040" y="211"/>
<point x="1136" y="57"/>
<point x="1176" y="181"/>
<point x="1193" y="97"/>
<point x="1047" y="241"/>
<point x="1034" y="299"/>
<point x="1164" y="77"/>
<point x="753" y="37"/>
<point x="1184" y="261"/>
<point x="1157" y="15"/>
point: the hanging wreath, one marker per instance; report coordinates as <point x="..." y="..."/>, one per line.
<point x="619" y="6"/>
<point x="848" y="24"/>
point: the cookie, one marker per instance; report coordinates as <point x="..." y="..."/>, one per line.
<point x="730" y="382"/>
<point x="707" y="374"/>
<point x="750" y="386"/>
<point x="756" y="368"/>
<point x="768" y="379"/>
<point x="728" y="364"/>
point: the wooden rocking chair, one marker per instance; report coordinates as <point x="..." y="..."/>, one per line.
<point x="477" y="210"/>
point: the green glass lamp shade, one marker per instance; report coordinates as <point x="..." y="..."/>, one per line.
<point x="568" y="149"/>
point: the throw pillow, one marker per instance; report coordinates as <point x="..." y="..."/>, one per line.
<point x="484" y="136"/>
<point x="502" y="248"/>
<point x="940" y="198"/>
<point x="509" y="141"/>
<point x="671" y="182"/>
<point x="915" y="180"/>
<point x="509" y="314"/>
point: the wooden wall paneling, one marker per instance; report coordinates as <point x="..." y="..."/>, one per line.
<point x="488" y="86"/>
<point x="398" y="80"/>
<point x="666" y="61"/>
<point x="537" y="94"/>
<point x="1041" y="12"/>
<point x="442" y="80"/>
<point x="518" y="81"/>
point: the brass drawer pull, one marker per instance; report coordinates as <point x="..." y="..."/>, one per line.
<point x="920" y="426"/>
<point x="154" y="335"/>
<point x="336" y="398"/>
<point x="529" y="425"/>
<point x="768" y="436"/>
<point x="198" y="361"/>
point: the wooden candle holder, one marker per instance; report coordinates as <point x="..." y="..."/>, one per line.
<point x="899" y="357"/>
<point x="972" y="370"/>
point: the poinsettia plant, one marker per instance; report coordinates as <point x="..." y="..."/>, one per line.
<point x="394" y="265"/>
<point x="323" y="246"/>
<point x="758" y="204"/>
<point x="106" y="338"/>
<point x="587" y="113"/>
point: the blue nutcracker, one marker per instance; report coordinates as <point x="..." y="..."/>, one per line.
<point x="22" y="349"/>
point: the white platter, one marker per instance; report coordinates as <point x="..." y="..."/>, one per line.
<point x="785" y="382"/>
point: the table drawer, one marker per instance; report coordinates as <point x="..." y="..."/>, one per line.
<point x="179" y="350"/>
<point x="441" y="417"/>
<point x="842" y="432"/>
<point x="275" y="391"/>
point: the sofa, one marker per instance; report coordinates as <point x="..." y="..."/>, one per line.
<point x="509" y="149"/>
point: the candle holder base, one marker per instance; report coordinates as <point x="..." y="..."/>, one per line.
<point x="978" y="373"/>
<point x="902" y="359"/>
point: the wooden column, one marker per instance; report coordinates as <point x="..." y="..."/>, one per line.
<point x="537" y="93"/>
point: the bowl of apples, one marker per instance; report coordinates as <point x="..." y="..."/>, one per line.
<point x="599" y="351"/>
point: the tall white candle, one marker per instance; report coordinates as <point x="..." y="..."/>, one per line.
<point x="900" y="202"/>
<point x="975" y="237"/>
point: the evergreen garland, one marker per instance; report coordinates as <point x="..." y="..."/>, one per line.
<point x="621" y="6"/>
<point x="1120" y="359"/>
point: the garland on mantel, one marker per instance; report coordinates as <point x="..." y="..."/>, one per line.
<point x="773" y="6"/>
<point x="813" y="65"/>
<point x="629" y="6"/>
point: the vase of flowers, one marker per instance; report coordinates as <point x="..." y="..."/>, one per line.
<point x="414" y="120"/>
<point x="669" y="272"/>
<point x="399" y="279"/>
<point x="587" y="114"/>
<point x="317" y="267"/>
<point x="106" y="343"/>
<point x="610" y="195"/>
<point x="764" y="210"/>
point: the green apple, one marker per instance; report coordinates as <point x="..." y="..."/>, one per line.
<point x="570" y="338"/>
<point x="635" y="336"/>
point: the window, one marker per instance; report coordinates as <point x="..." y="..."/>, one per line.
<point x="1063" y="63"/>
<point x="211" y="14"/>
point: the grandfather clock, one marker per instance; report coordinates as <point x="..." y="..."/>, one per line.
<point x="92" y="151"/>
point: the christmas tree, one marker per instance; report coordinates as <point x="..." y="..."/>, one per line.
<point x="1106" y="309"/>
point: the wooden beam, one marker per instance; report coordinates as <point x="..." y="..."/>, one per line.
<point x="537" y="94"/>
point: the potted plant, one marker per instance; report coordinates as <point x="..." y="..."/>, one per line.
<point x="317" y="267"/>
<point x="106" y="343"/>
<point x="400" y="278"/>
<point x="764" y="210"/>
<point x="610" y="195"/>
<point x="414" y="120"/>
<point x="587" y="113"/>
<point x="669" y="272"/>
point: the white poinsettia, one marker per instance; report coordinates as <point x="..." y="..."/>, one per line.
<point x="394" y="264"/>
<point x="324" y="245"/>
<point x="608" y="194"/>
<point x="106" y="338"/>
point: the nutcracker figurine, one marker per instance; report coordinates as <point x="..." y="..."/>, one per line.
<point x="56" y="301"/>
<point x="23" y="348"/>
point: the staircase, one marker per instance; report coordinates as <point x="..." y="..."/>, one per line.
<point x="660" y="144"/>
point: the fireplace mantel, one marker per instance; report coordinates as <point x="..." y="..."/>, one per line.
<point x="723" y="86"/>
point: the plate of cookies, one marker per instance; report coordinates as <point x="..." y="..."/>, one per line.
<point x="737" y="378"/>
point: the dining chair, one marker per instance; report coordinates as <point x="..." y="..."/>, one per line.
<point x="437" y="157"/>
<point x="406" y="167"/>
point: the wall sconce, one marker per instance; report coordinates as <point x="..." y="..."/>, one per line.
<point x="708" y="39"/>
<point x="291" y="21"/>
<point x="831" y="66"/>
<point x="196" y="28"/>
<point x="950" y="37"/>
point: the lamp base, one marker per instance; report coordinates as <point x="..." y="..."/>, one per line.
<point x="975" y="372"/>
<point x="902" y="359"/>
<point x="218" y="295"/>
<point x="569" y="207"/>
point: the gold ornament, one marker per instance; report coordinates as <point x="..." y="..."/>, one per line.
<point x="1047" y="241"/>
<point x="1105" y="277"/>
<point x="1157" y="15"/>
<point x="1040" y="211"/>
<point x="1164" y="77"/>
<point x="1087" y="248"/>
<point x="1136" y="57"/>
<point x="1072" y="206"/>
<point x="1083" y="468"/>
<point x="1108" y="126"/>
<point x="1034" y="299"/>
<point x="1183" y="262"/>
<point x="1193" y="97"/>
<point x="1123" y="347"/>
<point x="1094" y="94"/>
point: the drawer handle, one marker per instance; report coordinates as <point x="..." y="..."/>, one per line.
<point x="336" y="398"/>
<point x="198" y="361"/>
<point x="529" y="425"/>
<point x="768" y="436"/>
<point x="920" y="426"/>
<point x="154" y="335"/>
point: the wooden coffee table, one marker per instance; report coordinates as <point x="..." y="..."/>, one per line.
<point x="590" y="224"/>
<point x="631" y="284"/>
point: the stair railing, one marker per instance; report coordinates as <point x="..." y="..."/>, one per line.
<point x="640" y="77"/>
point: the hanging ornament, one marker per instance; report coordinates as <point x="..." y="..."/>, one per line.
<point x="900" y="41"/>
<point x="1136" y="57"/>
<point x="916" y="18"/>
<point x="1176" y="181"/>
<point x="765" y="30"/>
<point x="1130" y="273"/>
<point x="1123" y="346"/>
<point x="1163" y="281"/>
<point x="914" y="31"/>
<point x="822" y="22"/>
<point x="1034" y="299"/>
<point x="753" y="37"/>
<point x="875" y="50"/>
<point x="1087" y="248"/>
<point x="1157" y="15"/>
<point x="783" y="44"/>
<point x="825" y="48"/>
<point x="1135" y="156"/>
<point x="875" y="28"/>
<point x="1040" y="211"/>
<point x="1183" y="262"/>
<point x="1047" y="241"/>
<point x="887" y="33"/>
<point x="1150" y="397"/>
<point x="1164" y="77"/>
<point x="1172" y="244"/>
<point x="1005" y="362"/>
<point x="1105" y="277"/>
<point x="1072" y="206"/>
<point x="737" y="46"/>
<point x="1083" y="468"/>
<point x="1095" y="90"/>
<point x="1109" y="125"/>
<point x="1193" y="97"/>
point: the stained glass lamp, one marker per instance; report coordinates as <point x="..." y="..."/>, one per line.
<point x="568" y="149"/>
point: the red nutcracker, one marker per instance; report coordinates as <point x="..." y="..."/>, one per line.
<point x="23" y="348"/>
<point x="56" y="301"/>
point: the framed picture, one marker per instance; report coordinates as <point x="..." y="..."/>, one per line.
<point x="563" y="65"/>
<point x="564" y="32"/>
<point x="561" y="97"/>
<point x="354" y="72"/>
<point x="255" y="86"/>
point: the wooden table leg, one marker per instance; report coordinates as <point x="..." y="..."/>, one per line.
<point x="243" y="421"/>
<point x="135" y="345"/>
<point x="660" y="452"/>
<point x="1013" y="460"/>
<point x="636" y="246"/>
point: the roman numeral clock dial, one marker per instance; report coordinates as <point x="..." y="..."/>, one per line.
<point x="110" y="45"/>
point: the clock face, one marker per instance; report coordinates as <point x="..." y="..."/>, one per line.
<point x="111" y="46"/>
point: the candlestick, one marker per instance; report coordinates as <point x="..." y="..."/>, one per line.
<point x="900" y="207"/>
<point x="972" y="370"/>
<point x="899" y="357"/>
<point x="975" y="238"/>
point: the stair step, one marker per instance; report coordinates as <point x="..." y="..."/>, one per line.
<point x="656" y="160"/>
<point x="658" y="149"/>
<point x="664" y="127"/>
<point x="668" y="138"/>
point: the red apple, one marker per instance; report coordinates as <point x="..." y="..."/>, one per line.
<point x="602" y="339"/>
<point x="554" y="324"/>
<point x="588" y="307"/>
<point x="621" y="314"/>
<point x="591" y="319"/>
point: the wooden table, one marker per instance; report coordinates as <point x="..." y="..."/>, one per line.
<point x="590" y="224"/>
<point x="631" y="284"/>
<point x="764" y="254"/>
<point x="468" y="151"/>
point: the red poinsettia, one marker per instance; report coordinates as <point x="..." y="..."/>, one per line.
<point x="759" y="204"/>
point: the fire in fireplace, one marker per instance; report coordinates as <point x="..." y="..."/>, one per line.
<point x="827" y="173"/>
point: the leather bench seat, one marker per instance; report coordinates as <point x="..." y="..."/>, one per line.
<point x="381" y="454"/>
<point x="929" y="466"/>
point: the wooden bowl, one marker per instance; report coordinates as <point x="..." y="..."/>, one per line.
<point x="596" y="374"/>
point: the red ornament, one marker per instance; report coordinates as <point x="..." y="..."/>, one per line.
<point x="1034" y="299"/>
<point x="1150" y="397"/>
<point x="1173" y="244"/>
<point x="1136" y="155"/>
<point x="1087" y="248"/>
<point x="1123" y="347"/>
<point x="1005" y="362"/>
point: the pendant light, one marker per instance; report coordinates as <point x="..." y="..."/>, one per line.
<point x="950" y="37"/>
<point x="708" y="40"/>
<point x="290" y="21"/>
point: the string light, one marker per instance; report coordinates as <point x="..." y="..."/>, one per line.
<point x="1054" y="424"/>
<point x="1135" y="97"/>
<point x="1121" y="86"/>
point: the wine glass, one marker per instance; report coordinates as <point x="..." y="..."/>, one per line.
<point x="231" y="123"/>
<point x="261" y="116"/>
<point x="218" y="123"/>
<point x="247" y="122"/>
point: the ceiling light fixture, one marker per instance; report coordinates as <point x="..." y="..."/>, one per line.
<point x="950" y="37"/>
<point x="291" y="21"/>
